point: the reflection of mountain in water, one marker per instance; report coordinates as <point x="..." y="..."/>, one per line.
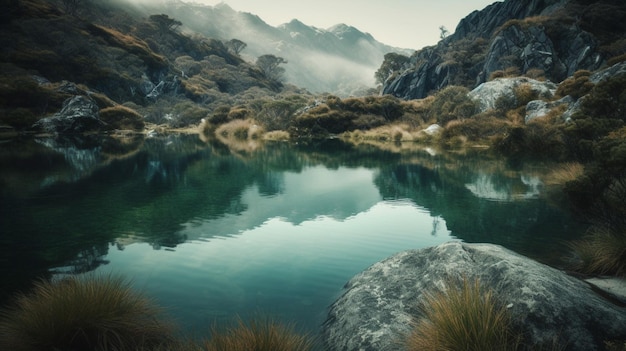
<point x="165" y="191"/>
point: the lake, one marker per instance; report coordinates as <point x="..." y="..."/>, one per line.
<point x="213" y="232"/>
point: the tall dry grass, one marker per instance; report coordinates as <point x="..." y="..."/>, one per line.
<point x="465" y="316"/>
<point x="601" y="251"/>
<point x="259" y="334"/>
<point x="92" y="313"/>
<point x="563" y="173"/>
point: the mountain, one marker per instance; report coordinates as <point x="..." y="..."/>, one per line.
<point x="340" y="59"/>
<point x="548" y="39"/>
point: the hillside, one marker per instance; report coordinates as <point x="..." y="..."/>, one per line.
<point x="550" y="39"/>
<point x="135" y="68"/>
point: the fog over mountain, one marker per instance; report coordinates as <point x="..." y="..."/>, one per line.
<point x="340" y="59"/>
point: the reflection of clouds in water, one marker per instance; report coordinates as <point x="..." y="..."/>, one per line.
<point x="485" y="186"/>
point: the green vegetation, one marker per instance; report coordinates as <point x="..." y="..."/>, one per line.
<point x="464" y="316"/>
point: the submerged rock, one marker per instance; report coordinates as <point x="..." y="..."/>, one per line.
<point x="378" y="305"/>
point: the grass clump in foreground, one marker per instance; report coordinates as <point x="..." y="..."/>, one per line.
<point x="465" y="316"/>
<point x="260" y="334"/>
<point x="602" y="251"/>
<point x="92" y="313"/>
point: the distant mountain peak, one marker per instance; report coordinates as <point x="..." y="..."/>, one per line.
<point x="344" y="31"/>
<point x="223" y="6"/>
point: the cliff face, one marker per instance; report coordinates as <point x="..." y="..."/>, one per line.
<point x="539" y="38"/>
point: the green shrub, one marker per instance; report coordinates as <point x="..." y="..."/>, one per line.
<point x="576" y="86"/>
<point x="92" y="313"/>
<point x="601" y="112"/>
<point x="466" y="317"/>
<point x="452" y="103"/>
<point x="258" y="335"/>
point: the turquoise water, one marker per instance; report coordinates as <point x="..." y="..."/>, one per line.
<point x="213" y="233"/>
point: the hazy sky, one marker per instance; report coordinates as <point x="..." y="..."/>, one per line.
<point x="409" y="24"/>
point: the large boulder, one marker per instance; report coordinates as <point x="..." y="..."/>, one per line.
<point x="487" y="94"/>
<point x="78" y="115"/>
<point x="377" y="307"/>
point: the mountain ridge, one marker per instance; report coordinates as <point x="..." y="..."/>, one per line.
<point x="296" y="41"/>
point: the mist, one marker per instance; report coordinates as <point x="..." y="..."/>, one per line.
<point x="341" y="60"/>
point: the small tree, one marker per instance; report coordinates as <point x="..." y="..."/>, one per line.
<point x="270" y="66"/>
<point x="392" y="62"/>
<point x="443" y="32"/>
<point x="236" y="46"/>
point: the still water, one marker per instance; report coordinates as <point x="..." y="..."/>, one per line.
<point x="212" y="232"/>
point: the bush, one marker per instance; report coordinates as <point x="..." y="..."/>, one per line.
<point x="534" y="140"/>
<point x="93" y="313"/>
<point x="452" y="103"/>
<point x="576" y="86"/>
<point x="465" y="317"/>
<point x="258" y="335"/>
<point x="121" y="118"/>
<point x="602" y="251"/>
<point x="481" y="128"/>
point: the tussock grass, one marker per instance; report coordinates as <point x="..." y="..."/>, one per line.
<point x="563" y="173"/>
<point x="260" y="334"/>
<point x="240" y="129"/>
<point x="465" y="316"/>
<point x="277" y="135"/>
<point x="601" y="251"/>
<point x="93" y="313"/>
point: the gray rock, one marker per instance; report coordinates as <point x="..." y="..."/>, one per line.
<point x="488" y="93"/>
<point x="433" y="129"/>
<point x="540" y="108"/>
<point x="378" y="305"/>
<point x="533" y="48"/>
<point x="78" y="115"/>
<point x="616" y="69"/>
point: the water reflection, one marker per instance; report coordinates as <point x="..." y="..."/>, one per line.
<point x="215" y="232"/>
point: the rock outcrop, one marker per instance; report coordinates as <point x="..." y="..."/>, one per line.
<point x="534" y="37"/>
<point x="556" y="55"/>
<point x="78" y="115"/>
<point x="378" y="305"/>
<point x="487" y="94"/>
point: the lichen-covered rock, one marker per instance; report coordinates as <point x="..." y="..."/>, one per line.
<point x="488" y="93"/>
<point x="540" y="108"/>
<point x="375" y="311"/>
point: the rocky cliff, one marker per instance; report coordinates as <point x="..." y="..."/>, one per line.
<point x="550" y="39"/>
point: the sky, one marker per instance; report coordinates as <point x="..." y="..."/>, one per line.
<point x="410" y="24"/>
